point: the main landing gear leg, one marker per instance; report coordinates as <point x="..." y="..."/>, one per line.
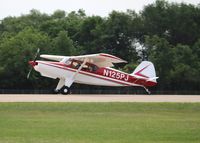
<point x="63" y="86"/>
<point x="59" y="86"/>
<point x="65" y="89"/>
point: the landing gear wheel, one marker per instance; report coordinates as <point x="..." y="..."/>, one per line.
<point x="65" y="90"/>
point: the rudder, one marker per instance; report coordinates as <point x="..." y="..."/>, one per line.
<point x="145" y="70"/>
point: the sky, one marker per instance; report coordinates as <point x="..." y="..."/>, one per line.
<point x="91" y="7"/>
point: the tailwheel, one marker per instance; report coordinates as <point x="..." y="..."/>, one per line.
<point x="147" y="90"/>
<point x="65" y="90"/>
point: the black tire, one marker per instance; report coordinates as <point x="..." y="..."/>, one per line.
<point x="65" y="90"/>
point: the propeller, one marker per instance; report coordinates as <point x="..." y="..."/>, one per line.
<point x="32" y="62"/>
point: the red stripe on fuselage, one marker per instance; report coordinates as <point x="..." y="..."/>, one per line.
<point x="86" y="73"/>
<point x="132" y="81"/>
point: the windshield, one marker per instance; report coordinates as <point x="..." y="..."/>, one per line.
<point x="68" y="62"/>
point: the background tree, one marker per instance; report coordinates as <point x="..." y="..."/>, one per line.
<point x="15" y="53"/>
<point x="118" y="35"/>
<point x="160" y="52"/>
<point x="63" y="44"/>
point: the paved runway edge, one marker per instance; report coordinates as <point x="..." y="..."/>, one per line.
<point x="97" y="98"/>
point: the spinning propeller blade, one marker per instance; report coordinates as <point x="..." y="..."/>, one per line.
<point x="38" y="51"/>
<point x="28" y="75"/>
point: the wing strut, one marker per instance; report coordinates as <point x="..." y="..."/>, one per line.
<point x="60" y="84"/>
<point x="69" y="81"/>
<point x="65" y="84"/>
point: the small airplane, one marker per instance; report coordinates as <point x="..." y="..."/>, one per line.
<point x="92" y="69"/>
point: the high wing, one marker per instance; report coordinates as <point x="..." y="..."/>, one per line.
<point x="54" y="57"/>
<point x="101" y="59"/>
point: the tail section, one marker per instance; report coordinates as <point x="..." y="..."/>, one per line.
<point x="145" y="70"/>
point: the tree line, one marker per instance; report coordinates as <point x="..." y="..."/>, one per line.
<point x="168" y="34"/>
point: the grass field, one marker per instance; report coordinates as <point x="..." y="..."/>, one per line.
<point x="99" y="122"/>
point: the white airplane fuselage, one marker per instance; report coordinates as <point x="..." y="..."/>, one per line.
<point x="102" y="76"/>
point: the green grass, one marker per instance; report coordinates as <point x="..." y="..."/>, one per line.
<point x="99" y="123"/>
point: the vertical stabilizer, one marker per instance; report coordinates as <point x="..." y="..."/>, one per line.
<point x="145" y="70"/>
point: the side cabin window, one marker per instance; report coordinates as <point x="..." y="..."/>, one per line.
<point x="93" y="68"/>
<point x="90" y="67"/>
<point x="76" y="64"/>
<point x="87" y="67"/>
